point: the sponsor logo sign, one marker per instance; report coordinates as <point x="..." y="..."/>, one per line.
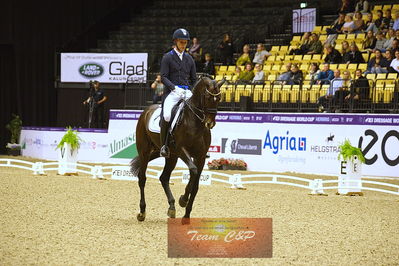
<point x="220" y="238"/>
<point x="242" y="146"/>
<point x="124" y="147"/>
<point x="213" y="148"/>
<point x="123" y="173"/>
<point x="286" y="142"/>
<point x="205" y="178"/>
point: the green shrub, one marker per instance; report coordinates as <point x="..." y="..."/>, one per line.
<point x="14" y="127"/>
<point x="71" y="137"/>
<point x="348" y="151"/>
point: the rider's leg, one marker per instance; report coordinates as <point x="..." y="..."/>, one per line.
<point x="168" y="104"/>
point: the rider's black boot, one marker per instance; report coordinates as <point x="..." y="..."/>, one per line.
<point x="164" y="152"/>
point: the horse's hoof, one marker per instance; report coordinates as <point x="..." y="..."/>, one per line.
<point x="185" y="221"/>
<point x="182" y="202"/>
<point x="141" y="217"/>
<point x="172" y="213"/>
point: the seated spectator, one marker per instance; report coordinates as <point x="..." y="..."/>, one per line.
<point x="396" y="22"/>
<point x="259" y="77"/>
<point x="395" y="45"/>
<point x="369" y="42"/>
<point x="325" y="100"/>
<point x="304" y="45"/>
<point x="345" y="47"/>
<point x="391" y="36"/>
<point x="325" y="75"/>
<point x="360" y="89"/>
<point x="337" y="25"/>
<point x="370" y="25"/>
<point x="387" y="21"/>
<point x="261" y="54"/>
<point x="209" y="67"/>
<point x="158" y="87"/>
<point x="378" y="64"/>
<point x="379" y="43"/>
<point x="226" y="50"/>
<point x="315" y="46"/>
<point x="379" y="19"/>
<point x="362" y="6"/>
<point x="332" y="55"/>
<point x="195" y="50"/>
<point x="354" y="56"/>
<point x="343" y="90"/>
<point x="389" y="56"/>
<point x="296" y="75"/>
<point x="395" y="62"/>
<point x="359" y="23"/>
<point x="247" y="75"/>
<point x="349" y="25"/>
<point x="284" y="77"/>
<point x="313" y="73"/>
<point x="237" y="73"/>
<point x="245" y="57"/>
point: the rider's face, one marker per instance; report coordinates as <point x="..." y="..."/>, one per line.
<point x="181" y="45"/>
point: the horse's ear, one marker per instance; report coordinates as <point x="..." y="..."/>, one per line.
<point x="220" y="83"/>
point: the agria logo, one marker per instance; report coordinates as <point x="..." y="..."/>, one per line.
<point x="287" y="143"/>
<point x="91" y="70"/>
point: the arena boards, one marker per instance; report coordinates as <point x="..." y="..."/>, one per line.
<point x="278" y="142"/>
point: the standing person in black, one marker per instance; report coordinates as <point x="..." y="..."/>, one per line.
<point x="226" y="50"/>
<point x="178" y="75"/>
<point x="97" y="99"/>
<point x="209" y="67"/>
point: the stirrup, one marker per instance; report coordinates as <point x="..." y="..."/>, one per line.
<point x="164" y="152"/>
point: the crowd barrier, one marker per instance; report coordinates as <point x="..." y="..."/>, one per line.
<point x="237" y="180"/>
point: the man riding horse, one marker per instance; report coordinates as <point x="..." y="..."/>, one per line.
<point x="179" y="75"/>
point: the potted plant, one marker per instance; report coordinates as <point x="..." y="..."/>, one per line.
<point x="69" y="146"/>
<point x="350" y="173"/>
<point x="14" y="126"/>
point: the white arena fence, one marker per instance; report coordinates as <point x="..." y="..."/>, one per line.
<point x="316" y="186"/>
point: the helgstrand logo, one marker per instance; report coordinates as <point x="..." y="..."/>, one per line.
<point x="287" y="143"/>
<point x="124" y="147"/>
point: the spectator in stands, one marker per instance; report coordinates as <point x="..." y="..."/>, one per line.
<point x="345" y="47"/>
<point x="378" y="64"/>
<point x="343" y="90"/>
<point x="284" y="77"/>
<point x="315" y="47"/>
<point x="370" y="25"/>
<point x="395" y="45"/>
<point x="259" y="77"/>
<point x="325" y="100"/>
<point x="335" y="29"/>
<point x="195" y="50"/>
<point x="332" y="55"/>
<point x="359" y="23"/>
<point x="247" y="75"/>
<point x="379" y="19"/>
<point x="396" y="34"/>
<point x="362" y="6"/>
<point x="237" y="73"/>
<point x="296" y="76"/>
<point x="326" y="75"/>
<point x="158" y="88"/>
<point x="369" y="42"/>
<point x="245" y="57"/>
<point x="395" y="62"/>
<point x="354" y="56"/>
<point x="360" y="89"/>
<point x="389" y="56"/>
<point x="349" y="25"/>
<point x="396" y="22"/>
<point x="379" y="43"/>
<point x="387" y="21"/>
<point x="304" y="45"/>
<point x="346" y="7"/>
<point x="390" y="38"/>
<point x="226" y="50"/>
<point x="209" y="67"/>
<point x="261" y="54"/>
<point x="313" y="73"/>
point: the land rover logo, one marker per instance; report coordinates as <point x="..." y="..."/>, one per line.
<point x="91" y="70"/>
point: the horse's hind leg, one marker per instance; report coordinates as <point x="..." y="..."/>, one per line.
<point x="142" y="180"/>
<point x="164" y="178"/>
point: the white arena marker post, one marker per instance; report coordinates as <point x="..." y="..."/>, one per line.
<point x="317" y="187"/>
<point x="97" y="171"/>
<point x="235" y="181"/>
<point x="350" y="178"/>
<point x="38" y="168"/>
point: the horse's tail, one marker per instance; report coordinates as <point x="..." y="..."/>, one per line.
<point x="135" y="164"/>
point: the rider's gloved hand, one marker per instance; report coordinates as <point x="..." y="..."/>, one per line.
<point x="179" y="91"/>
<point x="188" y="94"/>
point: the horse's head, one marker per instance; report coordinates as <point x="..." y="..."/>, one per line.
<point x="206" y="97"/>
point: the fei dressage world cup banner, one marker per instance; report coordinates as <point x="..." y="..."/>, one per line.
<point x="106" y="68"/>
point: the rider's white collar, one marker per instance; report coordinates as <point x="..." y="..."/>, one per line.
<point x="179" y="54"/>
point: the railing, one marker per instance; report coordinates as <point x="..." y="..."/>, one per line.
<point x="315" y="186"/>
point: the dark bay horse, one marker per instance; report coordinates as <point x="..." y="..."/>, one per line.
<point x="191" y="140"/>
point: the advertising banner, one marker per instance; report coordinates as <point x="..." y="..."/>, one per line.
<point x="106" y="68"/>
<point x="303" y="20"/>
<point x="273" y="142"/>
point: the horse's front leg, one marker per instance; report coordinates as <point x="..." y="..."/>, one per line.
<point x="164" y="178"/>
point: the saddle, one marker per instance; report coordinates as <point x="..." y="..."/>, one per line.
<point x="155" y="119"/>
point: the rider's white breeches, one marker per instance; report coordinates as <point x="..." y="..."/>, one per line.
<point x="171" y="101"/>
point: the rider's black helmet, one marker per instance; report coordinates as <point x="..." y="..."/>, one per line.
<point x="181" y="34"/>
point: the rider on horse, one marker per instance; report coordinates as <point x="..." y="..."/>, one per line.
<point x="179" y="75"/>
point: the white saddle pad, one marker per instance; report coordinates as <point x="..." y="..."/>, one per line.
<point x="153" y="124"/>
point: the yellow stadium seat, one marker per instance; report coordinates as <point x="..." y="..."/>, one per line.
<point x="365" y="57"/>
<point x="285" y="93"/>
<point x="297" y="59"/>
<point x="294" y="96"/>
<point x="341" y="37"/>
<point x="394" y="8"/>
<point x="324" y="89"/>
<point x="317" y="29"/>
<point x="218" y="77"/>
<point x="271" y="77"/>
<point x="305" y="93"/>
<point x="392" y="76"/>
<point x="307" y="57"/>
<point x="385" y="7"/>
<point x="381" y="76"/>
<point x="266" y="93"/>
<point x="267" y="67"/>
<point x="257" y="94"/>
<point x="317" y="57"/>
<point x="304" y="67"/>
<point x="352" y="67"/>
<point x="271" y="58"/>
<point x="388" y="93"/>
<point x="360" y="36"/>
<point x="379" y="93"/>
<point x="231" y="69"/>
<point x="228" y="77"/>
<point x="333" y="66"/>
<point x="276" y="89"/>
<point x="377" y="7"/>
<point x="222" y="68"/>
<point x="351" y="37"/>
<point x="338" y="46"/>
<point x="314" y="93"/>
<point x="362" y="66"/>
<point x="323" y="38"/>
<point x="371" y="76"/>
